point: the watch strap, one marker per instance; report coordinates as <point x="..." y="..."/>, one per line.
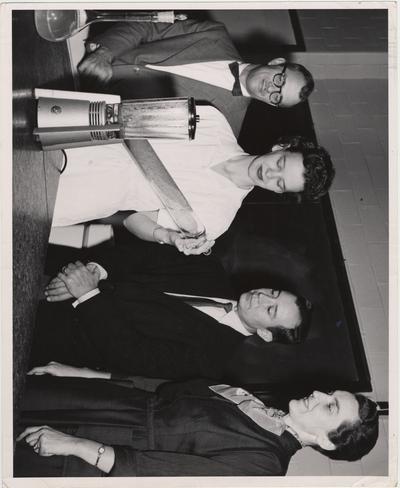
<point x="100" y="452"/>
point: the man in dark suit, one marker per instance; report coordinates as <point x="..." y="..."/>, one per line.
<point x="190" y="58"/>
<point x="188" y="429"/>
<point x="132" y="326"/>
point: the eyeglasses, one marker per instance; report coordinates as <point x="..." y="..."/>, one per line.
<point x="279" y="79"/>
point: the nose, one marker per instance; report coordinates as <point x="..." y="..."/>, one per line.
<point x="271" y="88"/>
<point x="321" y="396"/>
<point x="265" y="299"/>
<point x="273" y="173"/>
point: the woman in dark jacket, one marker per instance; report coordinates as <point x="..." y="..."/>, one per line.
<point x="97" y="427"/>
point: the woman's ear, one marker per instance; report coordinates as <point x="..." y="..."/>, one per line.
<point x="323" y="442"/>
<point x="265" y="334"/>
<point x="280" y="147"/>
<point x="275" y="61"/>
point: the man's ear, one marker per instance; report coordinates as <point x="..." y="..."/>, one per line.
<point x="280" y="147"/>
<point x="265" y="334"/>
<point x="323" y="442"/>
<point x="275" y="61"/>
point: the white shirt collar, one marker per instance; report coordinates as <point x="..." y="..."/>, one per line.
<point x="230" y="319"/>
<point x="242" y="66"/>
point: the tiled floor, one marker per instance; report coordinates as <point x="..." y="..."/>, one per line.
<point x="355" y="134"/>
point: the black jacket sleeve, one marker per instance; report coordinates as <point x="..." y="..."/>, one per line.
<point x="126" y="36"/>
<point x="130" y="462"/>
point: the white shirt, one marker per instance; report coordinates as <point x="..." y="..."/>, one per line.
<point x="215" y="73"/>
<point x="231" y="319"/>
<point x="101" y="180"/>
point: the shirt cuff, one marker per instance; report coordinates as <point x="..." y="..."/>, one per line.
<point x="86" y="296"/>
<point x="103" y="272"/>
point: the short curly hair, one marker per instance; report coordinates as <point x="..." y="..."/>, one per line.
<point x="318" y="167"/>
<point x="353" y="441"/>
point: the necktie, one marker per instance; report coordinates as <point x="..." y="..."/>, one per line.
<point x="236" y="90"/>
<point x="207" y="302"/>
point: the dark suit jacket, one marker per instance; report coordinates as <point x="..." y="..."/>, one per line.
<point x="162" y="268"/>
<point x="132" y="327"/>
<point x="183" y="430"/>
<point x="134" y="45"/>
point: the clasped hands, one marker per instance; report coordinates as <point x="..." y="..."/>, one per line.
<point x="195" y="245"/>
<point x="74" y="280"/>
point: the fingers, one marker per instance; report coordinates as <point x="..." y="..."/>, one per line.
<point x="59" y="297"/>
<point x="201" y="250"/>
<point x="91" y="267"/>
<point x="29" y="431"/>
<point x="37" y="371"/>
<point x="54" y="284"/>
<point x="193" y="246"/>
<point x="50" y="368"/>
<point x="40" y="370"/>
<point x="57" y="291"/>
<point x="70" y="269"/>
<point x="94" y="269"/>
<point x="34" y="438"/>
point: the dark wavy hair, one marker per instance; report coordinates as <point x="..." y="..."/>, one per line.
<point x="298" y="334"/>
<point x="318" y="168"/>
<point x="353" y="441"/>
<point x="308" y="87"/>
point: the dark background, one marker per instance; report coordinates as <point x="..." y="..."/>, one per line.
<point x="280" y="241"/>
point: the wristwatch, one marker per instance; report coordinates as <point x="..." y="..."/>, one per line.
<point x="100" y="452"/>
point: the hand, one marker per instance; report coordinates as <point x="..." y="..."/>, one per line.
<point x="97" y="65"/>
<point x="46" y="441"/>
<point x="78" y="279"/>
<point x="196" y="246"/>
<point x="57" y="369"/>
<point x="56" y="290"/>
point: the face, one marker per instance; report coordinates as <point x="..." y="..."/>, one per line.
<point x="259" y="84"/>
<point x="320" y="413"/>
<point x="278" y="171"/>
<point x="265" y="307"/>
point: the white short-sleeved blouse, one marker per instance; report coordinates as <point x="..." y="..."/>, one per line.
<point x="100" y="180"/>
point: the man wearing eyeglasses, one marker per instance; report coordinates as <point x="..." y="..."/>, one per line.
<point x="277" y="83"/>
<point x="190" y="58"/>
